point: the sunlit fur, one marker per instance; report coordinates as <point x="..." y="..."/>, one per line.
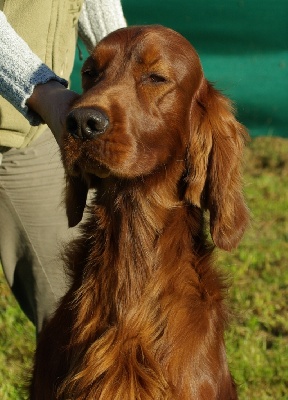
<point x="146" y="312"/>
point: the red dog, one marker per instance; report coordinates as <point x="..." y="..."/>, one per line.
<point x="145" y="315"/>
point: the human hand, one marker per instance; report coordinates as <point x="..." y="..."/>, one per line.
<point x="52" y="101"/>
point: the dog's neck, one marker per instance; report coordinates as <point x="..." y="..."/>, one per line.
<point x="136" y="221"/>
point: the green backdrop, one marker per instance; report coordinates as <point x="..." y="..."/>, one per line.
<point x="243" y="46"/>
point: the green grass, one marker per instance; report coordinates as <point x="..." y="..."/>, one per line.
<point x="257" y="340"/>
<point x="17" y="343"/>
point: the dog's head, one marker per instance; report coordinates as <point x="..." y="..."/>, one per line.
<point x="146" y="104"/>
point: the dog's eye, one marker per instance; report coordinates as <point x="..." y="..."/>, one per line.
<point x="88" y="72"/>
<point x="92" y="74"/>
<point x="154" y="78"/>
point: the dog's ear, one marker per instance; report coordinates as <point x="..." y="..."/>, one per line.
<point x="214" y="165"/>
<point x="75" y="199"/>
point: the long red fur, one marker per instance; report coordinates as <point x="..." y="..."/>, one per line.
<point x="145" y="315"/>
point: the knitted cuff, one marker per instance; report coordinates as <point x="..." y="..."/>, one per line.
<point x="20" y="71"/>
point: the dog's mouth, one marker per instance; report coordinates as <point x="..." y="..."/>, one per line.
<point x="94" y="169"/>
<point x="99" y="170"/>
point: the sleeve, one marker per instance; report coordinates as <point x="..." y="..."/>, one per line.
<point x="97" y="19"/>
<point x="20" y="71"/>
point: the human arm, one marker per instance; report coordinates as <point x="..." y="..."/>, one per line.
<point x="20" y="71"/>
<point x="97" y="19"/>
<point x="51" y="101"/>
<point x="29" y="85"/>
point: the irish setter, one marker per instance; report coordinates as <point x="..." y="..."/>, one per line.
<point x="159" y="146"/>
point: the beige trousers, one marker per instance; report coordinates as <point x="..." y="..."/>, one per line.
<point x="33" y="226"/>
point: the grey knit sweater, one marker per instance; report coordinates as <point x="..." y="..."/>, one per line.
<point x="21" y="70"/>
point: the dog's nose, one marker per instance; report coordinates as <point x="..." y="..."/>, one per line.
<point x="86" y="123"/>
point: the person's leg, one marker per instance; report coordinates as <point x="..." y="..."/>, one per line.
<point x="32" y="225"/>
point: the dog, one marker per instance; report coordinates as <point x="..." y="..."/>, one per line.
<point x="161" y="150"/>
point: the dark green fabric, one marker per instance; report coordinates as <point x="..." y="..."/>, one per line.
<point x="243" y="46"/>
